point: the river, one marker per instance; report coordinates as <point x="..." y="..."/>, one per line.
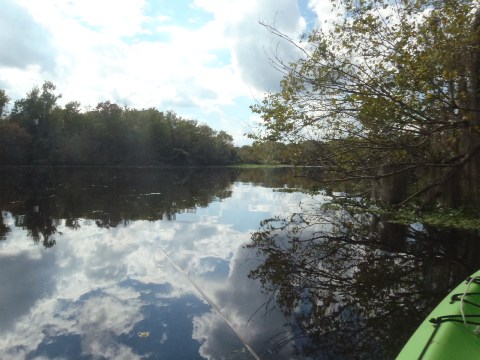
<point x="209" y="263"/>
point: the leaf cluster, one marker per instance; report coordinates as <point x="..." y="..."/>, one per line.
<point x="389" y="85"/>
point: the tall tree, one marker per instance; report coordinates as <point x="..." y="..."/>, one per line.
<point x="4" y="99"/>
<point x="34" y="114"/>
<point x="110" y="133"/>
<point x="393" y="88"/>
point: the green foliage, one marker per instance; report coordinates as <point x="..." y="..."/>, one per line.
<point x="389" y="89"/>
<point x="362" y="283"/>
<point x="442" y="218"/>
<point x="38" y="131"/>
<point x="264" y="153"/>
<point x="279" y="153"/>
<point x="4" y="99"/>
<point x="14" y="143"/>
<point x="462" y="219"/>
<point x="113" y="196"/>
<point x="255" y="166"/>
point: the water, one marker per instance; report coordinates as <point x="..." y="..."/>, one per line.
<point x="208" y="263"/>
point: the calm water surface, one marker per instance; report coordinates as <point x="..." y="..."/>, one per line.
<point x="207" y="263"/>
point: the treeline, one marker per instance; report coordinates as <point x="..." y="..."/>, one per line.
<point x="302" y="153"/>
<point x="40" y="198"/>
<point x="393" y="90"/>
<point x="37" y="131"/>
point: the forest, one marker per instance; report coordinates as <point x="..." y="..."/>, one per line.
<point x="37" y="131"/>
<point x="389" y="92"/>
<point x="385" y="99"/>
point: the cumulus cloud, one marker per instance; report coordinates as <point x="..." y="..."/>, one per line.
<point x="253" y="46"/>
<point x="95" y="323"/>
<point x="144" y="54"/>
<point x="34" y="279"/>
<point x="97" y="287"/>
<point x="78" y="289"/>
<point x="325" y="12"/>
<point x="248" y="314"/>
<point x="23" y="41"/>
<point x="101" y="320"/>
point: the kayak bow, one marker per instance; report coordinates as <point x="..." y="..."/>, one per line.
<point x="452" y="330"/>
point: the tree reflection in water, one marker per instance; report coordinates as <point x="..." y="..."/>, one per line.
<point x="356" y="285"/>
<point x="4" y="228"/>
<point x="39" y="199"/>
<point x="353" y="285"/>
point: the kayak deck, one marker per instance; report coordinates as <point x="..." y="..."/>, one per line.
<point x="452" y="330"/>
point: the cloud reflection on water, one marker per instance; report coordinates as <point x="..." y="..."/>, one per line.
<point x="98" y="288"/>
<point x="262" y="330"/>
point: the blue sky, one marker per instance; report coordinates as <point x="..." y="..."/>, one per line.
<point x="204" y="59"/>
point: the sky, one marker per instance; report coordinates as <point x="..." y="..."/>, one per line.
<point x="92" y="283"/>
<point x="206" y="60"/>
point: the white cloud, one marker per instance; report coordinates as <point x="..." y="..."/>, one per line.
<point x="252" y="44"/>
<point x="97" y="50"/>
<point x="23" y="42"/>
<point x="258" y="327"/>
<point x="82" y="287"/>
<point x="324" y="11"/>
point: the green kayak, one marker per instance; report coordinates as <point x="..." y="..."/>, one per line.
<point x="452" y="330"/>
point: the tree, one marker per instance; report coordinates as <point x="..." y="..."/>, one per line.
<point x="355" y="283"/>
<point x="4" y="99"/>
<point x="37" y="131"/>
<point x="14" y="143"/>
<point x="393" y="90"/>
<point x="76" y="144"/>
<point x="224" y="150"/>
<point x="266" y="152"/>
<point x="110" y="133"/>
<point x="34" y="114"/>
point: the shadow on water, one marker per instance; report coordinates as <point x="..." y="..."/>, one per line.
<point x="103" y="287"/>
<point x="40" y="198"/>
<point x="355" y="285"/>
